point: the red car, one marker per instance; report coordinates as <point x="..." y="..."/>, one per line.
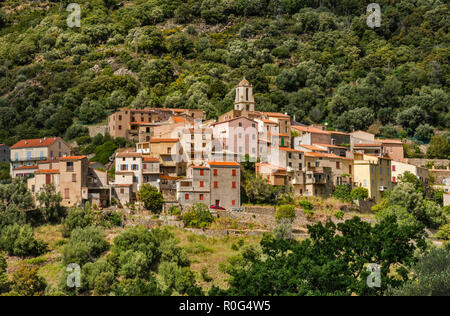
<point x="217" y="207"/>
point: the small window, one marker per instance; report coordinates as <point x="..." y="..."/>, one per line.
<point x="216" y="184"/>
<point x="122" y="191"/>
<point x="201" y="197"/>
<point x="215" y="172"/>
<point x="74" y="177"/>
<point x="202" y="172"/>
<point x="233" y="202"/>
<point x="202" y="184"/>
<point x="233" y="185"/>
<point x="186" y="197"/>
<point x="233" y="172"/>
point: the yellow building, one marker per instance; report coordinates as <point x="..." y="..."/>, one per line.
<point x="372" y="173"/>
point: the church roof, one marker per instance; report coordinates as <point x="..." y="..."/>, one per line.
<point x="244" y="82"/>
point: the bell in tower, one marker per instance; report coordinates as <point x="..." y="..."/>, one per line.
<point x="244" y="97"/>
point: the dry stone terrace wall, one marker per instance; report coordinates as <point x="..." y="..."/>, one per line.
<point x="422" y="162"/>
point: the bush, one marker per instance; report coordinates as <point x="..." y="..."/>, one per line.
<point x="84" y="245"/>
<point x="339" y="215"/>
<point x="342" y="192"/>
<point x="76" y="218"/>
<point x="424" y="132"/>
<point x="174" y="210"/>
<point x="27" y="282"/>
<point x="153" y="199"/>
<point x="359" y="194"/>
<point x="444" y="232"/>
<point x="198" y="216"/>
<point x="306" y="205"/>
<point x="178" y="278"/>
<point x="285" y="212"/>
<point x="18" y="240"/>
<point x="4" y="281"/>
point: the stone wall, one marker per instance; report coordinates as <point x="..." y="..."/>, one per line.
<point x="422" y="162"/>
<point x="440" y="175"/>
<point x="94" y="130"/>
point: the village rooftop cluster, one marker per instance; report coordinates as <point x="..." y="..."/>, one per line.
<point x="190" y="159"/>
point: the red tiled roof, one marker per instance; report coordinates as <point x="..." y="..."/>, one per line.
<point x="123" y="185"/>
<point x="290" y="149"/>
<point x="72" y="158"/>
<point x="271" y="114"/>
<point x="314" y="154"/>
<point x="312" y="147"/>
<point x="269" y="121"/>
<point x="389" y="141"/>
<point x="330" y="146"/>
<point x="151" y="159"/>
<point x="48" y="171"/>
<point x="267" y="165"/>
<point x="310" y="129"/>
<point x="339" y="133"/>
<point x="223" y="163"/>
<point x="128" y="155"/>
<point x="26" y="167"/>
<point x="168" y="177"/>
<point x="164" y="140"/>
<point x="40" y="142"/>
<point x="178" y="119"/>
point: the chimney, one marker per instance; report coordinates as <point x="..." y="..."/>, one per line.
<point x="26" y="142"/>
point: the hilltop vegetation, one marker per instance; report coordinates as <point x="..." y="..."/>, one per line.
<point x="317" y="60"/>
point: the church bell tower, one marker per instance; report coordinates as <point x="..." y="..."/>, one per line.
<point x="244" y="97"/>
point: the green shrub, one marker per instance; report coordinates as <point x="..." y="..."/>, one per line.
<point x="339" y="214"/>
<point x="285" y="212"/>
<point x="198" y="216"/>
<point x="153" y="199"/>
<point x="84" y="245"/>
<point x="359" y="194"/>
<point x="342" y="192"/>
<point x="18" y="240"/>
<point x="27" y="282"/>
<point x="444" y="232"/>
<point x="76" y="218"/>
<point x="306" y="205"/>
<point x="174" y="210"/>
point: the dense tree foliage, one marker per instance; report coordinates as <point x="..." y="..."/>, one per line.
<point x="431" y="275"/>
<point x="317" y="60"/>
<point x="153" y="199"/>
<point x="332" y="262"/>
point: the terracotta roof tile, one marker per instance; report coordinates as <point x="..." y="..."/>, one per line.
<point x="40" y="142"/>
<point x="164" y="140"/>
<point x="47" y="171"/>
<point x="26" y="167"/>
<point x="224" y="163"/>
<point x="72" y="158"/>
<point x="310" y="129"/>
<point x="128" y="155"/>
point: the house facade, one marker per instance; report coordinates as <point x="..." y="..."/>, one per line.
<point x="28" y="152"/>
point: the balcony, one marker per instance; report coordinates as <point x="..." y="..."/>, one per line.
<point x="315" y="178"/>
<point x="33" y="158"/>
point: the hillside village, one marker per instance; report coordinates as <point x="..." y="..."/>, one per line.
<point x="193" y="160"/>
